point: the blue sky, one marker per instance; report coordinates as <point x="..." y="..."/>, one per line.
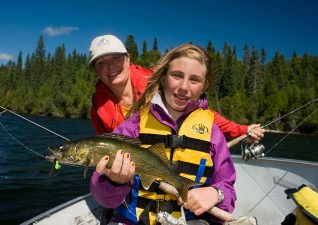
<point x="276" y="25"/>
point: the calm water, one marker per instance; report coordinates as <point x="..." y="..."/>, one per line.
<point x="25" y="190"/>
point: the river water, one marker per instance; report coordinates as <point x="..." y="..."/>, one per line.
<point x="25" y="189"/>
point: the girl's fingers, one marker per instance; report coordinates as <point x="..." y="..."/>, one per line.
<point x="101" y="165"/>
<point x="118" y="162"/>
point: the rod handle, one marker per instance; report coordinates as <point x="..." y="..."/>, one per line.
<point x="236" y="140"/>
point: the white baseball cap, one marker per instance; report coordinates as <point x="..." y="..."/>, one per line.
<point x="105" y="44"/>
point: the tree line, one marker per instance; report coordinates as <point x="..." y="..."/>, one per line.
<point x="250" y="89"/>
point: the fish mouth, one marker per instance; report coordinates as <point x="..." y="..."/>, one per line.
<point x="53" y="159"/>
<point x="50" y="158"/>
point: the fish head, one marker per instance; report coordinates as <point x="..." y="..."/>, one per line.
<point x="71" y="153"/>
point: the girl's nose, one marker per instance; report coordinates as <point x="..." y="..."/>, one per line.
<point x="184" y="85"/>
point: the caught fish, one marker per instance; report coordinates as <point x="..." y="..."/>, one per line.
<point x="151" y="163"/>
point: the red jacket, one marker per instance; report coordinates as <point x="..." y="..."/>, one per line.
<point x="229" y="128"/>
<point x="106" y="113"/>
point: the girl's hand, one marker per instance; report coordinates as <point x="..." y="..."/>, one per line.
<point x="122" y="170"/>
<point x="200" y="200"/>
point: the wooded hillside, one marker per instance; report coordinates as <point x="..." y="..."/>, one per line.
<point x="246" y="89"/>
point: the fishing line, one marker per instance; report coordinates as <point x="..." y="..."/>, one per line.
<point x="280" y="141"/>
<point x="291" y="112"/>
<point x="57" y="166"/>
<point x="19" y="142"/>
<point x="38" y="125"/>
<point x="266" y="194"/>
<point x="7" y="178"/>
<point x="30" y="121"/>
<point x="246" y="136"/>
<point x="24" y="146"/>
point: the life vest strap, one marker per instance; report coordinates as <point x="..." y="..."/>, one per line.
<point x="189" y="168"/>
<point x="174" y="141"/>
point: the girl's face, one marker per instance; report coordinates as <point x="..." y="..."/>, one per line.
<point x="113" y="69"/>
<point x="185" y="81"/>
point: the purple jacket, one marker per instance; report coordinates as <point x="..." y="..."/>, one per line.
<point x="111" y="196"/>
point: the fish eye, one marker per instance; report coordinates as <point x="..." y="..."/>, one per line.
<point x="61" y="148"/>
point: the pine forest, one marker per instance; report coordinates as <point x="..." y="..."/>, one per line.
<point x="246" y="89"/>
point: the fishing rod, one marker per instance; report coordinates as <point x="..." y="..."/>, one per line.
<point x="245" y="136"/>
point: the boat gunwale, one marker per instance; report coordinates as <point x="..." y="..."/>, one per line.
<point x="57" y="208"/>
<point x="275" y="159"/>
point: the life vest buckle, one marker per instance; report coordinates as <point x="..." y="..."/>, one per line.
<point x="178" y="141"/>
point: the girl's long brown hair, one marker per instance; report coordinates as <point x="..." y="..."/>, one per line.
<point x="157" y="80"/>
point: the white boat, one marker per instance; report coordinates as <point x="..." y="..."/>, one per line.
<point x="260" y="186"/>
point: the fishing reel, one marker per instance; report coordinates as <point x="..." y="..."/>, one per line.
<point x="254" y="151"/>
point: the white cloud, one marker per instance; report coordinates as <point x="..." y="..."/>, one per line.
<point x="57" y="31"/>
<point x="5" y="57"/>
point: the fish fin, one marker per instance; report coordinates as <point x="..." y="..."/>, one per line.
<point x="86" y="164"/>
<point x="160" y="151"/>
<point x="52" y="169"/>
<point x="123" y="138"/>
<point x="146" y="180"/>
<point x="85" y="171"/>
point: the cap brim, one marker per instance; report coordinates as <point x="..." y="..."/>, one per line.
<point x="102" y="53"/>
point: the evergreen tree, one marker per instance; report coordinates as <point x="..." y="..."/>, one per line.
<point x="19" y="65"/>
<point x="253" y="74"/>
<point x="217" y="75"/>
<point x="132" y="48"/>
<point x="38" y="62"/>
<point x="144" y="47"/>
<point x="227" y="81"/>
<point x="155" y="45"/>
<point x="210" y="49"/>
<point x="246" y="62"/>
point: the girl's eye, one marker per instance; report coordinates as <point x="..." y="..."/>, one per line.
<point x="195" y="81"/>
<point x="176" y="75"/>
